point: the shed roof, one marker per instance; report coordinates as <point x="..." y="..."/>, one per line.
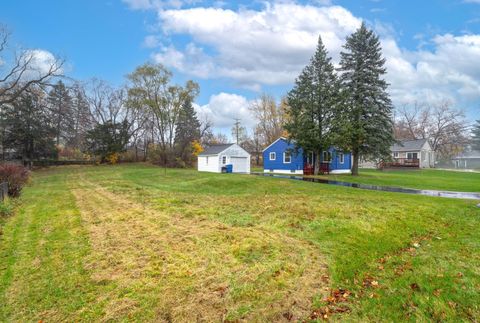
<point x="409" y="145"/>
<point x="215" y="149"/>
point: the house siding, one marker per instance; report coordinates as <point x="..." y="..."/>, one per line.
<point x="299" y="159"/>
<point x="279" y="147"/>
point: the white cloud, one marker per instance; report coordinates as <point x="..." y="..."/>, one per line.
<point x="223" y="108"/>
<point x="158" y="4"/>
<point x="40" y="62"/>
<point x="269" y="46"/>
<point x="192" y="60"/>
<point x="449" y="71"/>
<point x="151" y="41"/>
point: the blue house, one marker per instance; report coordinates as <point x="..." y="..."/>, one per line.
<point x="281" y="157"/>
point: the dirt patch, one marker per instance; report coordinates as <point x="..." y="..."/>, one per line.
<point x="188" y="268"/>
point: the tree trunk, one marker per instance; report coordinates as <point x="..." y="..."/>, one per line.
<point x="316" y="170"/>
<point x="356" y="158"/>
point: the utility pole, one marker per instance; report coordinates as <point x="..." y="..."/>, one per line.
<point x="237" y="128"/>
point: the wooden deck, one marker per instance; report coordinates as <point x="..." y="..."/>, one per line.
<point x="401" y="163"/>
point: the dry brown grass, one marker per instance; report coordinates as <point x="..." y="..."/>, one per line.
<point x="186" y="268"/>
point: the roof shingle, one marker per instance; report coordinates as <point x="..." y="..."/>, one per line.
<point x="409" y="145"/>
<point x="214" y="149"/>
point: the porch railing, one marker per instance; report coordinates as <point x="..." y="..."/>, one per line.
<point x="402" y="162"/>
<point x="308" y="169"/>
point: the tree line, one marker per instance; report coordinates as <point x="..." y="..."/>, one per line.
<point x="45" y="115"/>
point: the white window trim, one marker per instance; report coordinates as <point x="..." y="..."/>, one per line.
<point x="342" y="158"/>
<point x="274" y="155"/>
<point x="285" y="162"/>
<point x="395" y="154"/>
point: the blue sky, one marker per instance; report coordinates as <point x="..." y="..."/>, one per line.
<point x="237" y="49"/>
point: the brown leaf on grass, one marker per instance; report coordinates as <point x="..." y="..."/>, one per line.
<point x="459" y="274"/>
<point x="370" y="282"/>
<point x="452" y="304"/>
<point x="337" y="296"/>
<point x="437" y="292"/>
<point x="414" y="286"/>
<point x="380" y="267"/>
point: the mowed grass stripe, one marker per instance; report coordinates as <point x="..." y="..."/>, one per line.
<point x="247" y="239"/>
<point x="44" y="245"/>
<point x="184" y="269"/>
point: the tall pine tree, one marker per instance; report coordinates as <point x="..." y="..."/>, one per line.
<point x="476" y="136"/>
<point x="27" y="131"/>
<point x="187" y="130"/>
<point x="60" y="103"/>
<point x="367" y="128"/>
<point x="312" y="105"/>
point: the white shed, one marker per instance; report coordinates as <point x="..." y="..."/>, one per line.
<point x="213" y="158"/>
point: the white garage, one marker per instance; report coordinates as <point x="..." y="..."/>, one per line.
<point x="214" y="157"/>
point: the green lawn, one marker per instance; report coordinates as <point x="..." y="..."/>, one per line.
<point x="422" y="179"/>
<point x="128" y="243"/>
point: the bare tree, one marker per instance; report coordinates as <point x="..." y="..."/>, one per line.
<point x="108" y="104"/>
<point x="443" y="125"/>
<point x="23" y="72"/>
<point x="270" y="118"/>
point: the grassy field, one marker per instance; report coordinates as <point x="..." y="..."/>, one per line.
<point x="422" y="179"/>
<point x="128" y="243"/>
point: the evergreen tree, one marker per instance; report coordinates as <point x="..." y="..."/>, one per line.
<point x="82" y="120"/>
<point x="60" y="103"/>
<point x="367" y="127"/>
<point x="107" y="139"/>
<point x="313" y="103"/>
<point x="476" y="136"/>
<point x="187" y="131"/>
<point x="27" y="133"/>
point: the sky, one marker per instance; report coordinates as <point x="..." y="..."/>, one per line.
<point x="237" y="50"/>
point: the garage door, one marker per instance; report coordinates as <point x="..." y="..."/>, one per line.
<point x="239" y="164"/>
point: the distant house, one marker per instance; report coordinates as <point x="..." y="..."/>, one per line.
<point x="214" y="157"/>
<point x="282" y="157"/>
<point x="413" y="153"/>
<point x="467" y="160"/>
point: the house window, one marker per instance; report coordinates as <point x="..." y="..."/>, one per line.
<point x="207" y="160"/>
<point x="412" y="155"/>
<point x="224" y="160"/>
<point x="287" y="157"/>
<point x="395" y="154"/>
<point x="273" y="156"/>
<point x="341" y="157"/>
<point x="327" y="157"/>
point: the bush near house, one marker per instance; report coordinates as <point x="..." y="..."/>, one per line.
<point x="16" y="176"/>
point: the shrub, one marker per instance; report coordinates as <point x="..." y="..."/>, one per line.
<point x="112" y="158"/>
<point x="16" y="176"/>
